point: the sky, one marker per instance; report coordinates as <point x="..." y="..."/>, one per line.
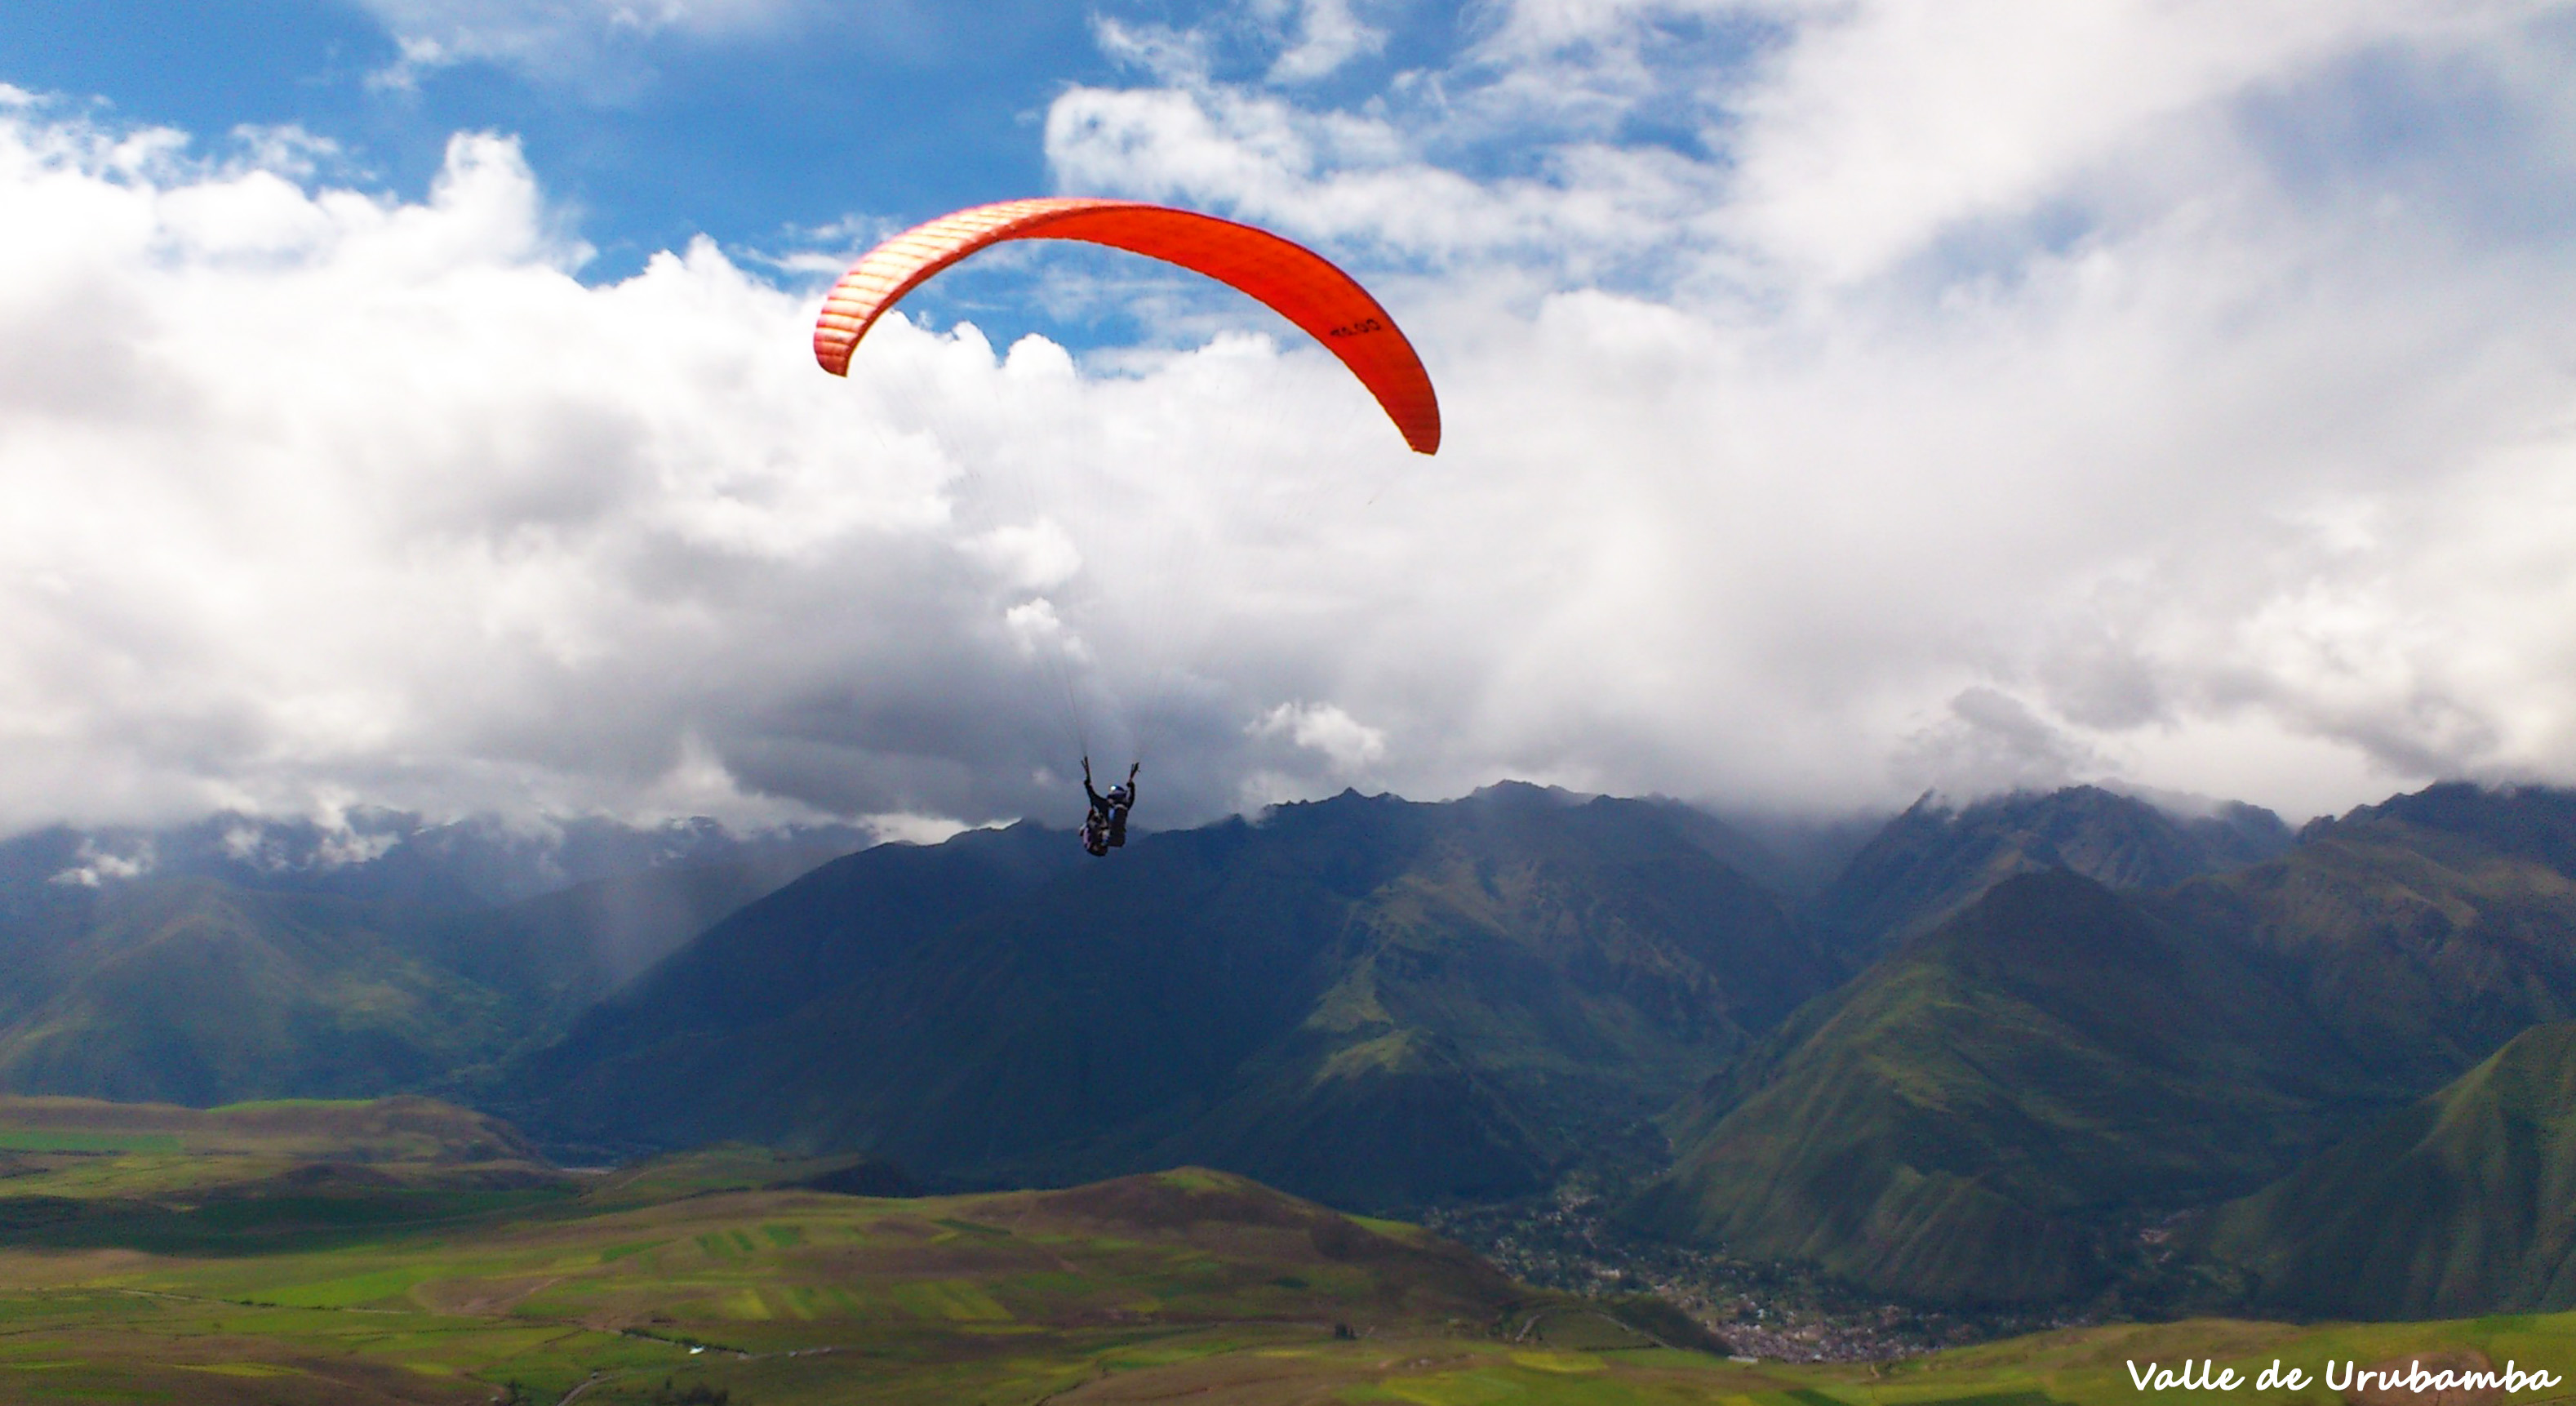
<point x="409" y="403"/>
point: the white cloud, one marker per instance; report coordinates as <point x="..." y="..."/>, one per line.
<point x="287" y="150"/>
<point x="1167" y="53"/>
<point x="561" y="39"/>
<point x="1526" y="29"/>
<point x="1879" y="125"/>
<point x="2198" y="442"/>
<point x="1305" y="40"/>
<point x="1992" y="742"/>
<point x="1323" y="728"/>
<point x="1360" y="179"/>
<point x="908" y="829"/>
<point x="1991" y="363"/>
<point x="312" y="490"/>
<point x="101" y="867"/>
<point x="1329" y="35"/>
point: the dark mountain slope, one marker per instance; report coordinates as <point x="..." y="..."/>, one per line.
<point x="2462" y="1204"/>
<point x="1107" y="994"/>
<point x="1363" y="999"/>
<point x="559" y="953"/>
<point x="711" y="1032"/>
<point x="1935" y="860"/>
<point x="1974" y="1116"/>
<point x="41" y="922"/>
<point x="2426" y="931"/>
<point x="1540" y="973"/>
<point x="2537" y="823"/>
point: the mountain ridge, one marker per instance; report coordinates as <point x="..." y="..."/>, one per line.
<point x="234" y="959"/>
<point x="1934" y="860"/>
<point x="1987" y="1062"/>
<point x="1891" y="1131"/>
<point x="1491" y="960"/>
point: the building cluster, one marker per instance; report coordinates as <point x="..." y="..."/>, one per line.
<point x="1567" y="1241"/>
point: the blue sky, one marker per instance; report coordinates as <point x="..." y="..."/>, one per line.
<point x="649" y="139"/>
<point x="406" y="402"/>
<point x="649" y="134"/>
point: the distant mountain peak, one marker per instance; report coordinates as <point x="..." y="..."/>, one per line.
<point x="2533" y="821"/>
<point x="372" y="852"/>
<point x="1938" y="857"/>
<point x="1533" y="791"/>
<point x="1374" y="1001"/>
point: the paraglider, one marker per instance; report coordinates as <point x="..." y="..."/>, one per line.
<point x="1105" y="828"/>
<point x="1290" y="279"/>
<point x="1296" y="282"/>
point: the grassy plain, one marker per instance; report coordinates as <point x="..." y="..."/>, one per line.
<point x="259" y="1273"/>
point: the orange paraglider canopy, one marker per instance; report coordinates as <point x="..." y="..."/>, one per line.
<point x="1298" y="283"/>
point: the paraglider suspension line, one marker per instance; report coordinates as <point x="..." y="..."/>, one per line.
<point x="1072" y="707"/>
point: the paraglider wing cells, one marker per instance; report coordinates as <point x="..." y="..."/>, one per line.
<point x="1294" y="281"/>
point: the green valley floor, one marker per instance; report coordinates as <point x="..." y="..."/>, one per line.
<point x="372" y="1253"/>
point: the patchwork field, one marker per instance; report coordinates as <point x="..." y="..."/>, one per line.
<point x="245" y="1255"/>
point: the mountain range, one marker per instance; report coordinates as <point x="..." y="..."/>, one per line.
<point x="1937" y="858"/>
<point x="1366" y="1000"/>
<point x="2003" y="1109"/>
<point x="2078" y="1048"/>
<point x="242" y="958"/>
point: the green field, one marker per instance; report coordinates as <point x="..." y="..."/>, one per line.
<point x="264" y="1275"/>
<point x="40" y="1140"/>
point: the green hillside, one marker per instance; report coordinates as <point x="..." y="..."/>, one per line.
<point x="1383" y="1005"/>
<point x="2463" y="1202"/>
<point x="1966" y="1121"/>
<point x="190" y="991"/>
<point x="361" y="1130"/>
<point x="1992" y="1112"/>
<point x="198" y="990"/>
<point x="2426" y="931"/>
<point x="1365" y="1000"/>
<point x="219" y="1277"/>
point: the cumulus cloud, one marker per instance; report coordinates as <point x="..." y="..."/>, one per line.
<point x="1891" y="429"/>
<point x="310" y="490"/>
<point x="314" y="493"/>
<point x="1879" y="126"/>
<point x="2016" y="391"/>
<point x="1324" y="728"/>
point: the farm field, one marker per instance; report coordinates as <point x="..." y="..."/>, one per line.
<point x="244" y="1255"/>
